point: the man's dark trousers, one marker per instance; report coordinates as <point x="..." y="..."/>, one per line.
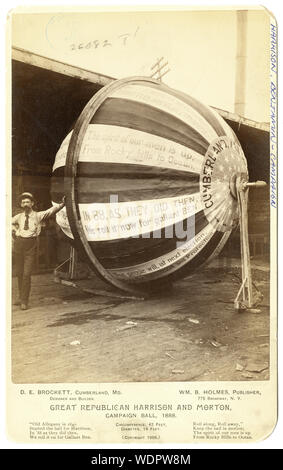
<point x="25" y="252"/>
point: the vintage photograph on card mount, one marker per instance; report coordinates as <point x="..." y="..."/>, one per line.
<point x="141" y="193"/>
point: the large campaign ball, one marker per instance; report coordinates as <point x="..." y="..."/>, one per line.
<point x="155" y="182"/>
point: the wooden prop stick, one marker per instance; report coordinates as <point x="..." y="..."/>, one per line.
<point x="242" y="189"/>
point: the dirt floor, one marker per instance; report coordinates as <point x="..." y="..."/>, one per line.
<point x="192" y="333"/>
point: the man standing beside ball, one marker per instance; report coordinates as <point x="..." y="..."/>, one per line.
<point x="26" y="227"/>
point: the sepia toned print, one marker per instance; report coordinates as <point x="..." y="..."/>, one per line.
<point x="143" y="193"/>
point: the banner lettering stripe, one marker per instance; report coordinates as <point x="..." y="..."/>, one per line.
<point x="174" y="272"/>
<point x="118" y="253"/>
<point x="122" y="145"/>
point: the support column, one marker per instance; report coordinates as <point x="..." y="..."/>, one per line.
<point x="241" y="63"/>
